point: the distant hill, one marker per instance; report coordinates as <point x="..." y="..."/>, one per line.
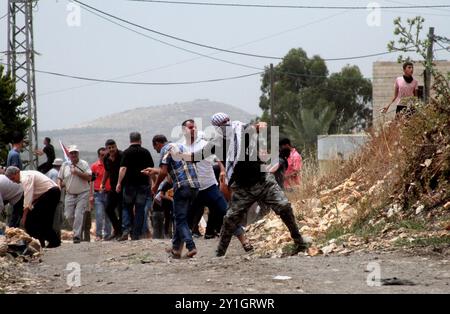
<point x="149" y="121"/>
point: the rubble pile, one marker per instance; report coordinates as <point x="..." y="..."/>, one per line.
<point x="341" y="207"/>
<point x="18" y="244"/>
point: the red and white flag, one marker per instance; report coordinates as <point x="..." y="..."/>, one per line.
<point x="65" y="151"/>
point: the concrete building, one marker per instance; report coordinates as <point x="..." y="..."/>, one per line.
<point x="384" y="75"/>
<point x="336" y="147"/>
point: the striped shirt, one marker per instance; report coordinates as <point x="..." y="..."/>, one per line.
<point x="182" y="173"/>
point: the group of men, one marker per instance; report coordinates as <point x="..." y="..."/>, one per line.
<point x="121" y="185"/>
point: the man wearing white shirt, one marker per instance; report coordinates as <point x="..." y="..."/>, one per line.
<point x="75" y="176"/>
<point x="209" y="194"/>
<point x="41" y="196"/>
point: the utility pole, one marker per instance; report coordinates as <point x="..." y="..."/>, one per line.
<point x="428" y="65"/>
<point x="272" y="96"/>
<point x="21" y="66"/>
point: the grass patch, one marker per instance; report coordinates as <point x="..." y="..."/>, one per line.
<point x="366" y="231"/>
<point x="411" y="224"/>
<point x="334" y="232"/>
<point x="288" y="249"/>
<point x="422" y="242"/>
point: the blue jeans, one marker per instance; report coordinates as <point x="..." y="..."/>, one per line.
<point x="134" y="197"/>
<point x="217" y="205"/>
<point x="102" y="223"/>
<point x="182" y="202"/>
<point x="148" y="206"/>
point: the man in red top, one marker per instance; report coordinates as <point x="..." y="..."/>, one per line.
<point x="292" y="176"/>
<point x="98" y="197"/>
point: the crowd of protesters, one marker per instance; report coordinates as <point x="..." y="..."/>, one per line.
<point x="218" y="178"/>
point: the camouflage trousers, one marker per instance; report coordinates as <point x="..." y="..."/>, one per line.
<point x="266" y="193"/>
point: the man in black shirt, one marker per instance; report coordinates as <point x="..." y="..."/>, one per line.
<point x="113" y="199"/>
<point x="49" y="151"/>
<point x="136" y="186"/>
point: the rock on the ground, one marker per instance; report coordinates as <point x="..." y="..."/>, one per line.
<point x="329" y="248"/>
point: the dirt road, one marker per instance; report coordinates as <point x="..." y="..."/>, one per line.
<point x="143" y="267"/>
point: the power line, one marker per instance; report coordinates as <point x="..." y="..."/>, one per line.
<point x="171" y="45"/>
<point x="360" y="57"/>
<point x="292" y="6"/>
<point x="174" y="37"/>
<point x="148" y="83"/>
<point x="443" y="48"/>
<point x="190" y="59"/>
<point x="84" y="78"/>
<point x="183" y="83"/>
<point x="406" y="3"/>
<point x="212" y="47"/>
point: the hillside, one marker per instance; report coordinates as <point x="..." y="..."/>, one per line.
<point x="149" y="121"/>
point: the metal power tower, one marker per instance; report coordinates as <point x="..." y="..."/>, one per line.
<point x="21" y="65"/>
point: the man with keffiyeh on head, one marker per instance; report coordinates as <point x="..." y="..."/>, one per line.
<point x="244" y="175"/>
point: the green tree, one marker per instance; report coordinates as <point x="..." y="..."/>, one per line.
<point x="12" y="115"/>
<point x="304" y="126"/>
<point x="303" y="90"/>
<point x="351" y="95"/>
<point x="293" y="74"/>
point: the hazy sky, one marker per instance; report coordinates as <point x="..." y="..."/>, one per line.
<point x="100" y="49"/>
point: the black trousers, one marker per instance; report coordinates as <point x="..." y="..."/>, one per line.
<point x="162" y="219"/>
<point x="45" y="167"/>
<point x="113" y="202"/>
<point x="39" y="222"/>
<point x="17" y="213"/>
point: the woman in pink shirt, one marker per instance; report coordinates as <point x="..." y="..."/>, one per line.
<point x="405" y="86"/>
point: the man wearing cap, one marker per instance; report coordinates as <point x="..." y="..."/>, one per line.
<point x="41" y="196"/>
<point x="53" y="173"/>
<point x="74" y="176"/>
<point x="245" y="177"/>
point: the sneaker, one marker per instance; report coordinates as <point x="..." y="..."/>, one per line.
<point x="112" y="237"/>
<point x="76" y="240"/>
<point x="220" y="253"/>
<point x="123" y="237"/>
<point x="53" y="245"/>
<point x="300" y="247"/>
<point x="174" y="253"/>
<point x="191" y="253"/>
